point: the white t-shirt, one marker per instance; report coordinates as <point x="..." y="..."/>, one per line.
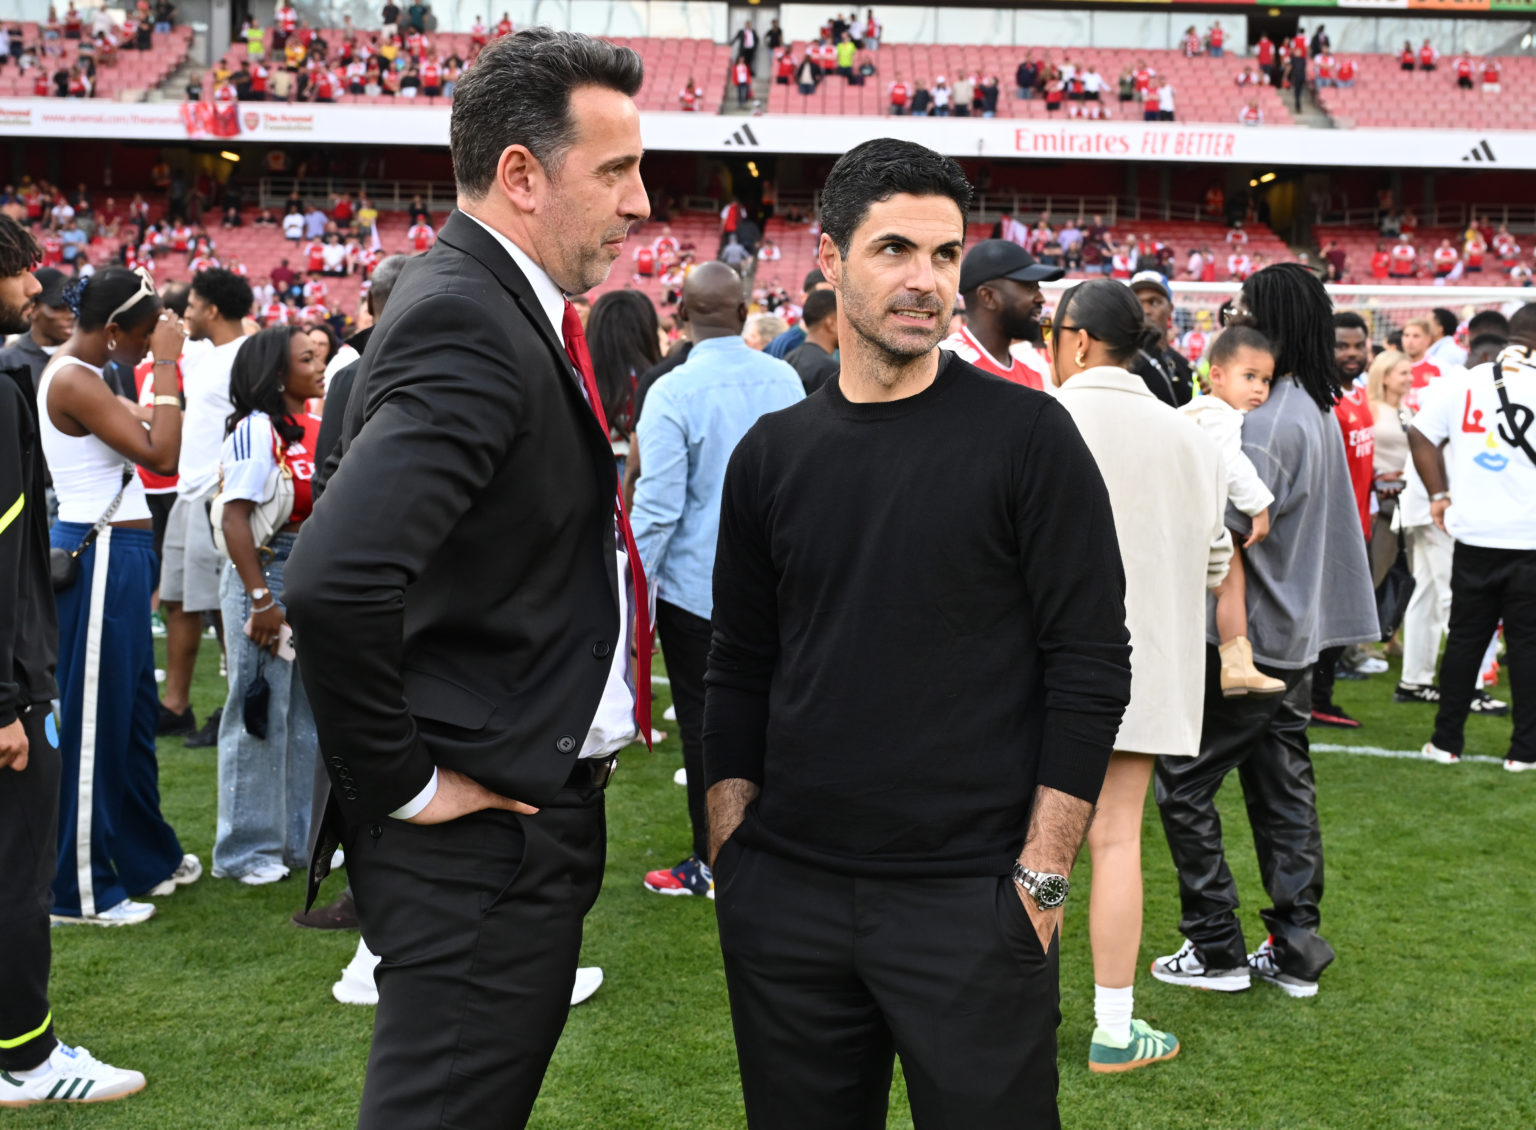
<point x="202" y="425"/>
<point x="1492" y="481"/>
<point x="334" y="256"/>
<point x="1165" y="98"/>
<point x="293" y="226"/>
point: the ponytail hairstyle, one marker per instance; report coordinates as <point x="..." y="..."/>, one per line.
<point x="93" y="300"/>
<point x="1108" y="311"/>
<point x="256" y="379"/>
<point x="1292" y="309"/>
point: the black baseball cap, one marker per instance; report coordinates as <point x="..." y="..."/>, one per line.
<point x="53" y="283"/>
<point x="1002" y="259"/>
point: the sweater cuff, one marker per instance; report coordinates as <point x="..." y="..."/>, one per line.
<point x="1075" y="752"/>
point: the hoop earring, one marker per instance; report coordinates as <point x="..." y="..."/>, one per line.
<point x="1082" y="359"/>
<point x="281" y="387"/>
<point x="111" y="345"/>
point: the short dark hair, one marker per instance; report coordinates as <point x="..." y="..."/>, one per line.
<point x="1349" y="320"/>
<point x="1233" y="338"/>
<point x="19" y="252"/>
<point x="1448" y="321"/>
<point x="519" y="93"/>
<point x="819" y="306"/>
<point x="1493" y="341"/>
<point x="1488" y="321"/>
<point x="1108" y="311"/>
<point x="878" y="170"/>
<point x="225" y="291"/>
<point x="1523" y="320"/>
<point x="174" y="297"/>
<point x="815" y="278"/>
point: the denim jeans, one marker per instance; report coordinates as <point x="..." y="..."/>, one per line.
<point x="265" y="786"/>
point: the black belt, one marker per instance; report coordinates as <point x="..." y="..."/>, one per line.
<point x="592" y="772"/>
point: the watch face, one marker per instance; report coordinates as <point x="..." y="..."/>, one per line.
<point x="1051" y="892"/>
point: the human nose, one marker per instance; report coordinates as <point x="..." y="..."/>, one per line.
<point x="636" y="205"/>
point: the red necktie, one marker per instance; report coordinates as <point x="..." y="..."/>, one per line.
<point x="576" y="350"/>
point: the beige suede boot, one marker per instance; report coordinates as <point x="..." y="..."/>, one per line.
<point x="1238" y="674"/>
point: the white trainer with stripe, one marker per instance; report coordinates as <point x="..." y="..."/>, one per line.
<point x="70" y="1075"/>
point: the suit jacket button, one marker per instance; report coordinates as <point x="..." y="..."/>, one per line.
<point x="601" y="649"/>
<point x="565" y="743"/>
<point x="337" y="763"/>
<point x="350" y="794"/>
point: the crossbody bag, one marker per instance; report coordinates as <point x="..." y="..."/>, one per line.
<point x="64" y="564"/>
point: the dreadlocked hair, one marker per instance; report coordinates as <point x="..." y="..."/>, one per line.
<point x="19" y="252"/>
<point x="1293" y="310"/>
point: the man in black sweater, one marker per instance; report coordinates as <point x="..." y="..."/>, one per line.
<point x="918" y="669"/>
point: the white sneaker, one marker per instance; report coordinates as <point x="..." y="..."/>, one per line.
<point x="338" y="858"/>
<point x="266" y="873"/>
<point x="1186" y="968"/>
<point x="70" y="1075"/>
<point x="189" y="872"/>
<point x="160" y="674"/>
<point x="1519" y="766"/>
<point x="680" y="777"/>
<point x="357" y="985"/>
<point x="670" y="714"/>
<point x="1432" y="752"/>
<point x="1370" y="665"/>
<point x="1262" y="962"/>
<point x="125" y="913"/>
<point x="588" y="981"/>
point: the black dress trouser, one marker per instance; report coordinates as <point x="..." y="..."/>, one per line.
<point x="685" y="643"/>
<point x="477" y="924"/>
<point x="29" y="854"/>
<point x="831" y="976"/>
<point x="1488" y="585"/>
<point x="1265" y="739"/>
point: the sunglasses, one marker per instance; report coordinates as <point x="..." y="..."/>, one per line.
<point x="146" y="290"/>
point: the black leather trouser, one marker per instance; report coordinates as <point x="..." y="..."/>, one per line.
<point x="1265" y="740"/>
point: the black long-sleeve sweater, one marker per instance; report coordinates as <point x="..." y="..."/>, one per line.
<point x="29" y="626"/>
<point x="919" y="617"/>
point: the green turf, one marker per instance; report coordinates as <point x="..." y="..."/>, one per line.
<point x="1424" y="1021"/>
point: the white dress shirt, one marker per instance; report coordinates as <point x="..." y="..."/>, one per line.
<point x="613" y="726"/>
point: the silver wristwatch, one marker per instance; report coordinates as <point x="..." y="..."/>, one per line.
<point x="259" y="595"/>
<point x="1049" y="891"/>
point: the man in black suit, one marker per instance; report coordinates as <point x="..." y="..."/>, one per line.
<point x="463" y="595"/>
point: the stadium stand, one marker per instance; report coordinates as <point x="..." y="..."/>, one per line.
<point x="134" y="72"/>
<point x="669" y="64"/>
<point x="1387" y="96"/>
<point x="1205" y="89"/>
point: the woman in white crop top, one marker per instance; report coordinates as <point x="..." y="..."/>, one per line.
<point x="113" y="841"/>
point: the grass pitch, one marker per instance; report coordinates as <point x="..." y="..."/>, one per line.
<point x="1424" y="1021"/>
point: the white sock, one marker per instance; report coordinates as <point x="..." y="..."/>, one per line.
<point x="1112" y="1011"/>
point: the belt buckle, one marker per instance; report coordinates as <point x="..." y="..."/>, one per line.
<point x="607" y="771"/>
<point x="265" y="556"/>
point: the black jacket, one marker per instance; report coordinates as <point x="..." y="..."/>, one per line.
<point x="29" y="623"/>
<point x="338" y="392"/>
<point x="454" y="594"/>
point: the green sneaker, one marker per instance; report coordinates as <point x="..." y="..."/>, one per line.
<point x="1146" y="1045"/>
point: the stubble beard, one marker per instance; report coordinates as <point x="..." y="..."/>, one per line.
<point x="892" y="358"/>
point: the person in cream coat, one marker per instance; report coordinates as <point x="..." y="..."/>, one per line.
<point x="1168" y="490"/>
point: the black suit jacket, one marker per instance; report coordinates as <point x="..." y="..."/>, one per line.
<point x="454" y="594"/>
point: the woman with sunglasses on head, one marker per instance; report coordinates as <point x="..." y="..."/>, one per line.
<point x="266" y="749"/>
<point x="113" y="842"/>
<point x="1168" y="491"/>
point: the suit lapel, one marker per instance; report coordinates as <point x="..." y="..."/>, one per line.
<point x="467" y="236"/>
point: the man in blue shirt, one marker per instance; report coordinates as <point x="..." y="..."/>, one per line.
<point x="794" y="337"/>
<point x="691" y="422"/>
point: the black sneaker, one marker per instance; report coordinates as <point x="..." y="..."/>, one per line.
<point x="208" y="736"/>
<point x="1329" y="714"/>
<point x="1485" y="704"/>
<point x="172" y="723"/>
<point x="1416" y="692"/>
<point x="1349" y="674"/>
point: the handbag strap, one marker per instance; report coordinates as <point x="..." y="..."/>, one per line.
<point x="101" y="523"/>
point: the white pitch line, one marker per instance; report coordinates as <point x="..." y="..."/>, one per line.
<point x="1396" y="754"/>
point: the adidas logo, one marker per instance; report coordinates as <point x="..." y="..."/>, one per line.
<point x="1482" y="153"/>
<point x="745" y="136"/>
